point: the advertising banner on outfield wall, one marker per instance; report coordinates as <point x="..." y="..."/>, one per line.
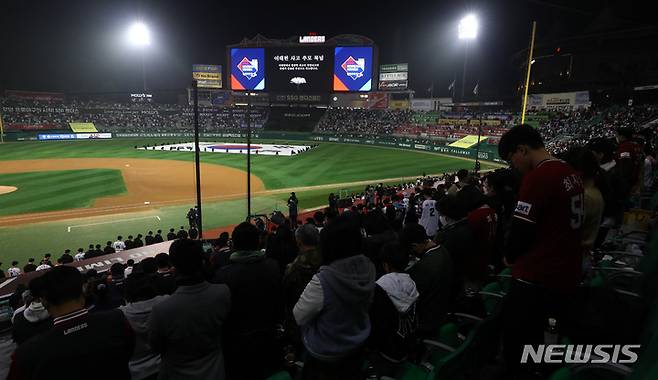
<point x="406" y="144"/>
<point x="424" y="104"/>
<point x="74" y="136"/>
<point x="559" y="100"/>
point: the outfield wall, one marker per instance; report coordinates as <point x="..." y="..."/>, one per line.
<point x="388" y="141"/>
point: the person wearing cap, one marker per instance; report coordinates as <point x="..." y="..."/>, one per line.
<point x="100" y="341"/>
<point x="433" y="276"/>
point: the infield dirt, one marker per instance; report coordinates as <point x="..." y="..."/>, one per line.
<point x="158" y="182"/>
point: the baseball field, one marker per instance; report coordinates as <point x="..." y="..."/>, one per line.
<point x="69" y="194"/>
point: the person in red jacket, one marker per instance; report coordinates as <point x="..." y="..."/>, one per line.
<point x="544" y="243"/>
<point x="629" y="159"/>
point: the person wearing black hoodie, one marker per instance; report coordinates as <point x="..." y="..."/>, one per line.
<point x="333" y="309"/>
<point x="256" y="307"/>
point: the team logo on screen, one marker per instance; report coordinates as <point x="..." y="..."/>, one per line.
<point x="354" y="68"/>
<point x="298" y="80"/>
<point x="248" y="68"/>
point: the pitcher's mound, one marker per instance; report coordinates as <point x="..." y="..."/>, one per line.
<point x="7" y="189"/>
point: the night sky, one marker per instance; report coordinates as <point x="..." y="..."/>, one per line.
<point x="78" y="47"/>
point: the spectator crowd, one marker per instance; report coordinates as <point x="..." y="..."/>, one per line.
<point x="126" y="117"/>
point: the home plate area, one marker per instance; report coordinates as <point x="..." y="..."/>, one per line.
<point x="236" y="148"/>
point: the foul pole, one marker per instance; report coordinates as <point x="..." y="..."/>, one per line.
<point x="527" y="78"/>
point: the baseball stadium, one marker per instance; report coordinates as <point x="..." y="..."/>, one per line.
<point x="422" y="191"/>
<point x="81" y="176"/>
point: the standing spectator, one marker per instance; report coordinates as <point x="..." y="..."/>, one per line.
<point x="649" y="167"/>
<point x="186" y="329"/>
<point x="14" y="270"/>
<point x="333" y="309"/>
<point x="165" y="281"/>
<point x="333" y="202"/>
<point x="221" y="251"/>
<point x="119" y="245"/>
<point x="281" y="246"/>
<point x="544" y="245"/>
<point x="299" y="273"/>
<point x="257" y="307"/>
<point x="393" y="311"/>
<point x="81" y="255"/>
<point x="457" y="237"/>
<point x="29" y="267"/>
<point x="34" y="318"/>
<point x="433" y="276"/>
<point x="182" y="234"/>
<point x="130" y="264"/>
<point x="191" y="217"/>
<point x="138" y="242"/>
<point x="171" y="235"/>
<point x="429" y="217"/>
<point x="584" y="162"/>
<point x="112" y="294"/>
<point x="194" y="233"/>
<point x="292" y="209"/>
<point x="158" y="237"/>
<point x="99" y="340"/>
<point x="109" y="248"/>
<point x="461" y="177"/>
<point x="629" y="158"/>
<point x="141" y="296"/>
<point x="149" y="239"/>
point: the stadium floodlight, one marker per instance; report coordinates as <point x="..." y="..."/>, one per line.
<point x="468" y="27"/>
<point x="139" y="34"/>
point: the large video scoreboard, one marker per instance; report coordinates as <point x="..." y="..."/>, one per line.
<point x="313" y="69"/>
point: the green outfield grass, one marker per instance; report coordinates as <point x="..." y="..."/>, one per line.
<point x="58" y="190"/>
<point x="327" y="164"/>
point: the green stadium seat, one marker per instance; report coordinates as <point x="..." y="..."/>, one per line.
<point x="281" y="375"/>
<point x="491" y="296"/>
